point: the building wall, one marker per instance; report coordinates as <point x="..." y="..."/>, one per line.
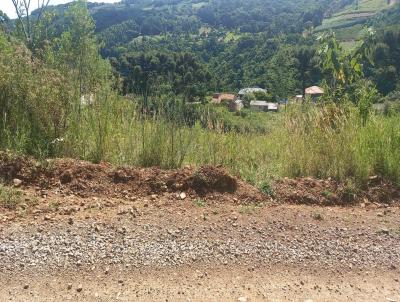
<point x="259" y="108"/>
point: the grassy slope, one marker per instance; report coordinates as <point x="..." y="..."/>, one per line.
<point x="348" y="23"/>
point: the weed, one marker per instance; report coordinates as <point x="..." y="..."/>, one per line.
<point x="317" y="216"/>
<point x="10" y="198"/>
<point x="349" y="191"/>
<point x="267" y="188"/>
<point x="249" y="209"/>
<point x="200" y="202"/>
<point x="327" y="194"/>
<point x="54" y="206"/>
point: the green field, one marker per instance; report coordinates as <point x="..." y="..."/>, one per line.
<point x="348" y="22"/>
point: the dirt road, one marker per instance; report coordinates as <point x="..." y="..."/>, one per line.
<point x="188" y="251"/>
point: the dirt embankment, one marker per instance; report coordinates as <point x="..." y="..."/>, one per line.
<point x="330" y="192"/>
<point x="67" y="177"/>
<point x="84" y="179"/>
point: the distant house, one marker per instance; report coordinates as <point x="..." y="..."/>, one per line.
<point x="298" y="98"/>
<point x="314" y="92"/>
<point x="236" y="105"/>
<point x="223" y="97"/>
<point x="245" y="91"/>
<point x="264" y="106"/>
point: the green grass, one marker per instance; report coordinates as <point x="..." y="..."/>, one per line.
<point x="10" y="198"/>
<point x="366" y="5"/>
<point x="355" y="32"/>
<point x="200" y="202"/>
<point x="323" y="142"/>
<point x="347" y="22"/>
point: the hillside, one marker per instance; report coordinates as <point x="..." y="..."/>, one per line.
<point x="349" y="22"/>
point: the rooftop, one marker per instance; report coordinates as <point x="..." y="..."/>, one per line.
<point x="259" y="103"/>
<point x="224" y="96"/>
<point x="314" y="90"/>
<point x="251" y="90"/>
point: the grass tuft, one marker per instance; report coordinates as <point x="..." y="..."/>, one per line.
<point x="10" y="198"/>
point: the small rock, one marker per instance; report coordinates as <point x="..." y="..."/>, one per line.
<point x="107" y="271"/>
<point x="153" y="197"/>
<point x="79" y="288"/>
<point x="120" y="281"/>
<point x="242" y="299"/>
<point x="69" y="286"/>
<point x="47" y="217"/>
<point x="384" y="231"/>
<point x="70" y="221"/>
<point x="182" y="196"/>
<point x="26" y="286"/>
<point x="17" y="182"/>
<point x="379" y="214"/>
<point x="122" y="212"/>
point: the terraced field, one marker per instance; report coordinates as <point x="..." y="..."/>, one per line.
<point x="348" y="23"/>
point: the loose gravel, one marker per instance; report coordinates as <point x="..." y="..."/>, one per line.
<point x="127" y="244"/>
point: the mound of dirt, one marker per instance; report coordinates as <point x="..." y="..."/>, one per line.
<point x="330" y="192"/>
<point x="21" y="167"/>
<point x="85" y="179"/>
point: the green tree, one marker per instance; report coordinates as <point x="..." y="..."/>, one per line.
<point x="3" y="20"/>
<point x="30" y="24"/>
<point x="340" y="67"/>
<point x="307" y="65"/>
<point x="76" y="52"/>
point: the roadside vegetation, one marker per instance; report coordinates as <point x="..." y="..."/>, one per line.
<point x="10" y="198"/>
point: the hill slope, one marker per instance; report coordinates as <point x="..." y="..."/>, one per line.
<point x="348" y="23"/>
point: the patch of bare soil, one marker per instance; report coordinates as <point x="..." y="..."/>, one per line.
<point x="69" y="177"/>
<point x="85" y="179"/>
<point x="330" y="192"/>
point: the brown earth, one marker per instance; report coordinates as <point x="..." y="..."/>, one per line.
<point x="94" y="232"/>
<point x="67" y="177"/>
<point x="84" y="179"/>
<point x="330" y="192"/>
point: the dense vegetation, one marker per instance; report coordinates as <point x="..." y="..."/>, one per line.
<point x="119" y="90"/>
<point x="267" y="43"/>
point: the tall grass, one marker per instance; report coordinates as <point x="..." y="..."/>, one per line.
<point x="332" y="141"/>
<point x="319" y="141"/>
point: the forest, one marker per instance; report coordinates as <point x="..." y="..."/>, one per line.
<point x="131" y="83"/>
